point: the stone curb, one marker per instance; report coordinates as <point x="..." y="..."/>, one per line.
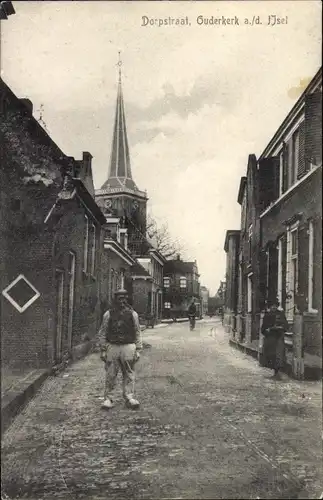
<point x="14" y="401"/>
<point x="310" y="373"/>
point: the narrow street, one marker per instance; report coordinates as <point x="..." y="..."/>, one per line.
<point x="212" y="425"/>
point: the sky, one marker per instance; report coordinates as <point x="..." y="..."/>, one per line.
<point x="199" y="98"/>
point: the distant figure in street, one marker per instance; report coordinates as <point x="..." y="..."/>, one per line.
<point x="192" y="314"/>
<point x="120" y="342"/>
<point x="273" y="329"/>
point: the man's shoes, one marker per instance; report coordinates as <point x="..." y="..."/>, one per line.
<point x="107" y="404"/>
<point x="132" y="403"/>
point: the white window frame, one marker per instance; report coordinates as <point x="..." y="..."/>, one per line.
<point x="249" y="292"/>
<point x="280" y="271"/>
<point x="125" y="233"/>
<point x="167" y="305"/>
<point x="281" y="171"/>
<point x="86" y="244"/>
<point x="311" y="266"/>
<point x="250" y="242"/>
<point x="295" y="156"/>
<point x="291" y="279"/>
<point x="166" y="279"/>
<point x="182" y="280"/>
<point x="122" y="278"/>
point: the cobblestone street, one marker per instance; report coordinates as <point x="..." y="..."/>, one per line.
<point x="212" y="424"/>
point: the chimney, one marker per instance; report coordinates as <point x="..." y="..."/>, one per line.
<point x="87" y="161"/>
<point x="28" y="105"/>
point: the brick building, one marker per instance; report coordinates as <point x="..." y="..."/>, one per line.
<point x="204" y="293"/>
<point x="249" y="298"/>
<point x="50" y="246"/>
<point x="231" y="247"/>
<point x="181" y="285"/>
<point x="153" y="263"/>
<point x="290" y="178"/>
<point x="117" y="261"/>
<point x="281" y="232"/>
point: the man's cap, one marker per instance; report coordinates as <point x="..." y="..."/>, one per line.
<point x="121" y="291"/>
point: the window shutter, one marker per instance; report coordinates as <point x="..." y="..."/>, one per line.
<point x="285" y="167"/>
<point x="313" y="128"/>
<point x="263" y="277"/>
<point x="283" y="263"/>
<point x="303" y="263"/>
<point x="268" y="181"/>
<point x="302" y="165"/>
<point x="276" y="173"/>
<point x="273" y="272"/>
<point x="317" y="264"/>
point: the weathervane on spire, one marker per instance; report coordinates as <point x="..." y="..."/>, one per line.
<point x="119" y="64"/>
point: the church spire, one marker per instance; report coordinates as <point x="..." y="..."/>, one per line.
<point x="120" y="168"/>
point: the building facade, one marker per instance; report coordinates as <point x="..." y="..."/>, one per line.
<point x="204" y="292"/>
<point x="181" y="286"/>
<point x="280" y="253"/>
<point x="290" y="176"/>
<point x="249" y="299"/>
<point x="51" y="241"/>
<point x="231" y="247"/>
<point x="153" y="263"/>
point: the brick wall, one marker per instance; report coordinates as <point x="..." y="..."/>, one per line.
<point x="33" y="171"/>
<point x="141" y="290"/>
<point x="305" y="198"/>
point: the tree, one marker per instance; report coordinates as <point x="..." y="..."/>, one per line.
<point x="161" y="239"/>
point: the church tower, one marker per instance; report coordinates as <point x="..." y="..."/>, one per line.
<point x="119" y="195"/>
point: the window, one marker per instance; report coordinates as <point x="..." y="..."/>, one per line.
<point x="86" y="244"/>
<point x="280" y="271"/>
<point x="244" y="213"/>
<point x="295" y="156"/>
<point x="250" y="242"/>
<point x="167" y="305"/>
<point x="183" y="282"/>
<point x="124" y="238"/>
<point x="294" y="259"/>
<point x="166" y="282"/>
<point x="93" y="248"/>
<point x="122" y="278"/>
<point x="249" y="293"/>
<point x="291" y="270"/>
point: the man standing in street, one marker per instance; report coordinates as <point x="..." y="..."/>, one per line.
<point x="120" y="343"/>
<point x="192" y="314"/>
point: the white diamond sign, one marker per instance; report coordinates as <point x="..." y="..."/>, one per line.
<point x="21" y="293"/>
